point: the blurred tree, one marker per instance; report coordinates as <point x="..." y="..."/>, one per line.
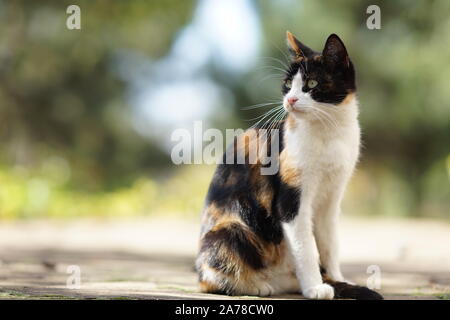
<point x="60" y="93"/>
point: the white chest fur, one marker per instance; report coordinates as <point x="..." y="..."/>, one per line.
<point x="325" y="153"/>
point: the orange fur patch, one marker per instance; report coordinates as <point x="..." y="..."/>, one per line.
<point x="288" y="172"/>
<point x="214" y="212"/>
<point x="264" y="195"/>
<point x="247" y="145"/>
<point x="292" y="42"/>
<point x="348" y="98"/>
<point x="274" y="254"/>
<point x="207" y="287"/>
<point x="290" y="122"/>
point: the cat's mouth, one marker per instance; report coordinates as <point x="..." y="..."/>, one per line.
<point x="292" y="108"/>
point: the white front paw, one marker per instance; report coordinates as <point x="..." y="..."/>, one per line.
<point x="322" y="291"/>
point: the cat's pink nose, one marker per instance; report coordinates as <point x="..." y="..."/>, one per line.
<point x="292" y="100"/>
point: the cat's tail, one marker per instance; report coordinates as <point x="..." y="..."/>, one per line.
<point x="344" y="290"/>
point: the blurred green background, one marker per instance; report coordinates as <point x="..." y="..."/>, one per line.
<point x="86" y="115"/>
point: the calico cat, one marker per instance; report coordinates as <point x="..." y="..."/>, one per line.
<point x="271" y="234"/>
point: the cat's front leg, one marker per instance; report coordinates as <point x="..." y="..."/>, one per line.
<point x="300" y="237"/>
<point x="326" y="234"/>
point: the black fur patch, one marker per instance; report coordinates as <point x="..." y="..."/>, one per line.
<point x="265" y="225"/>
<point x="287" y="201"/>
<point x="240" y="196"/>
<point x="343" y="290"/>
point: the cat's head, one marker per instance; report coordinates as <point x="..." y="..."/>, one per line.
<point x="317" y="80"/>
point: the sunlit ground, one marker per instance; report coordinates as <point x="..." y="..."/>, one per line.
<point x="154" y="258"/>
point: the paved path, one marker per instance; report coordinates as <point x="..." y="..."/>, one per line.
<point x="154" y="258"/>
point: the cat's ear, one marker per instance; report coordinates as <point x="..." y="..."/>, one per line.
<point x="298" y="49"/>
<point x="335" y="53"/>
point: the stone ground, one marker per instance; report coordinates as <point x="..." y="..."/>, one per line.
<point x="154" y="258"/>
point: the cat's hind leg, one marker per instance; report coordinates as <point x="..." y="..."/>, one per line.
<point x="231" y="261"/>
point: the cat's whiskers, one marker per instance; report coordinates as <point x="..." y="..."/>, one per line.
<point x="260" y="105"/>
<point x="288" y="60"/>
<point x="283" y="64"/>
<point x="326" y="116"/>
<point x="267" y="124"/>
<point x="272" y="67"/>
<point x="280" y="117"/>
<point x="328" y="123"/>
<point x="319" y="117"/>
<point x="322" y="115"/>
<point x="272" y="76"/>
<point x="275" y="119"/>
<point x="261" y="118"/>
<point x="264" y="116"/>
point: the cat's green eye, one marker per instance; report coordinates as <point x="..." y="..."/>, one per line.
<point x="288" y="84"/>
<point x="312" y="83"/>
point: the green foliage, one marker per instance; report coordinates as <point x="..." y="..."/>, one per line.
<point x="37" y="194"/>
<point x="59" y="89"/>
<point x="68" y="146"/>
